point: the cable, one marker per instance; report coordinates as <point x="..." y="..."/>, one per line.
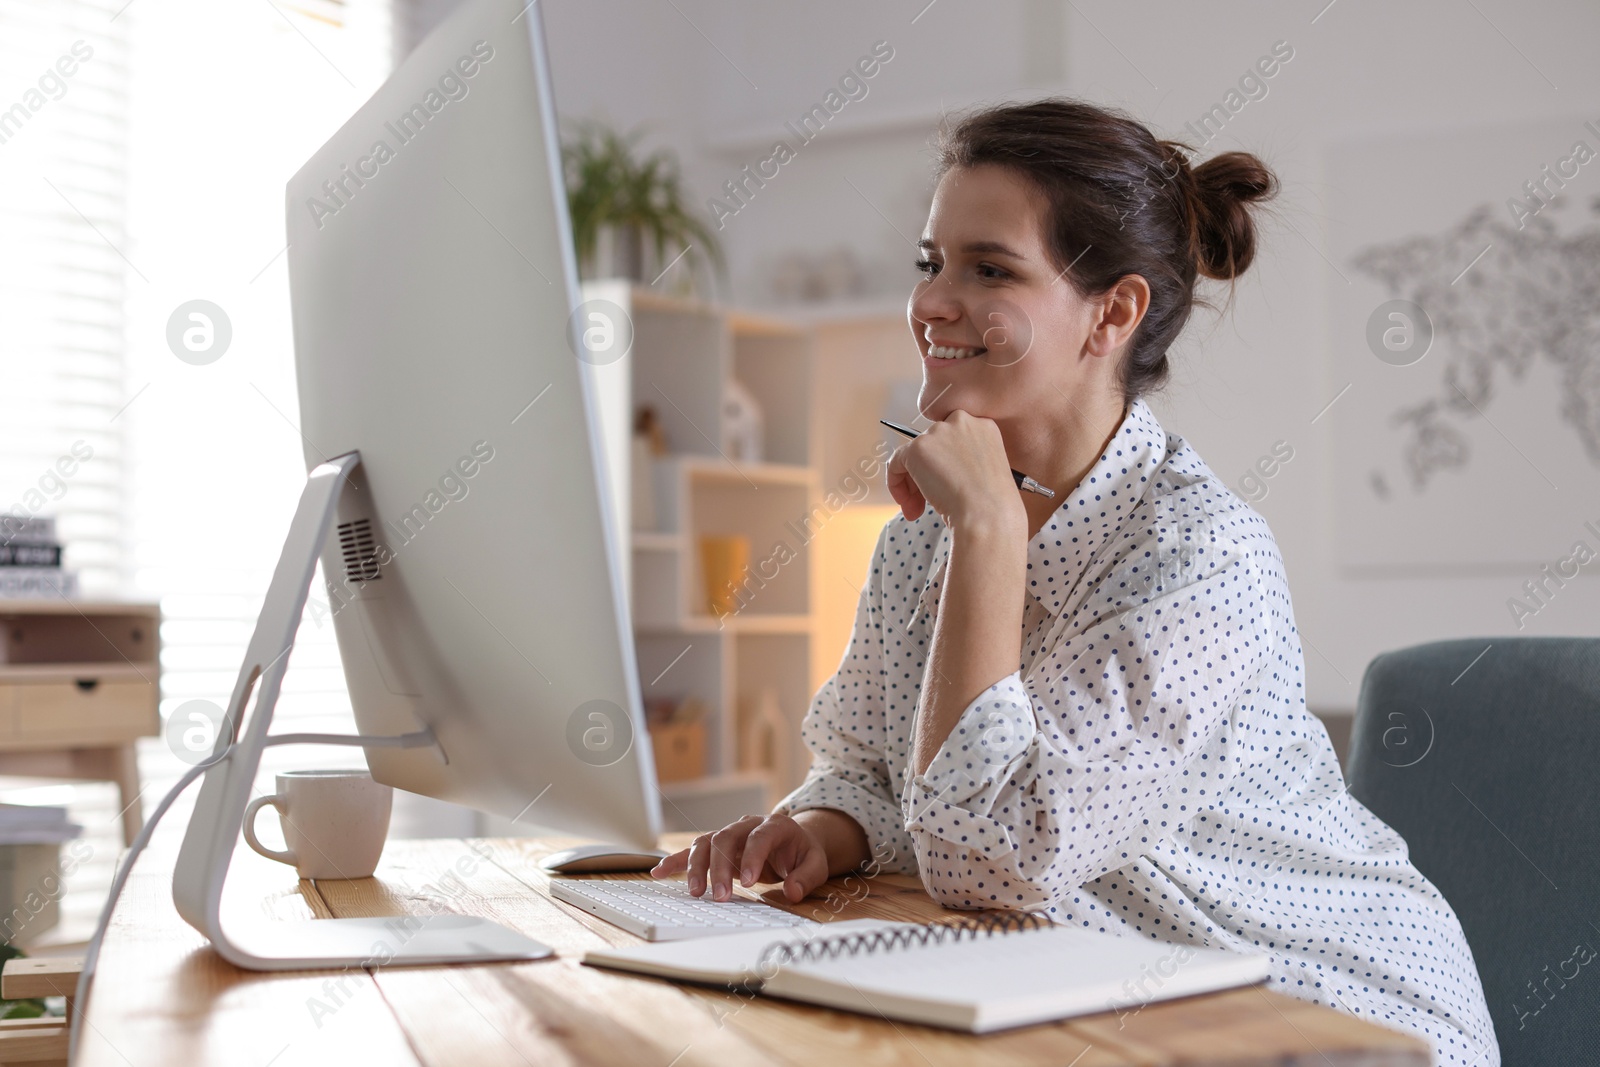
<point x="91" y="954"/>
<point x="417" y="740"/>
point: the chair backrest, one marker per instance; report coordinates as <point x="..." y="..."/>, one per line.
<point x="1488" y="764"/>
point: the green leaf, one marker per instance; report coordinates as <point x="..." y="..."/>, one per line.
<point x="607" y="185"/>
<point x="21" y="1009"/>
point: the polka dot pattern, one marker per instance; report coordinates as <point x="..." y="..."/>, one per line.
<point x="1150" y="769"/>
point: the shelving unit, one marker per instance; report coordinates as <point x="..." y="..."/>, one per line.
<point x="677" y="355"/>
<point x="79" y="685"/>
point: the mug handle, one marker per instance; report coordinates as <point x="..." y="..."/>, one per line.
<point x="287" y="855"/>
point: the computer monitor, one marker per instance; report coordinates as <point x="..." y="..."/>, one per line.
<point x="473" y="585"/>
<point x="459" y="496"/>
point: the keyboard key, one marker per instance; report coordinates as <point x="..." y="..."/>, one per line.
<point x="663" y="911"/>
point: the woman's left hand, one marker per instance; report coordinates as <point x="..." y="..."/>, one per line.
<point x="959" y="466"/>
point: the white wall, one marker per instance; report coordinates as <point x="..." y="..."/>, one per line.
<point x="718" y="79"/>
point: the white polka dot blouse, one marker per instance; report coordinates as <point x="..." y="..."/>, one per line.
<point x="1150" y="769"/>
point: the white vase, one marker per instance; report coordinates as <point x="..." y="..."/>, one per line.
<point x="619" y="252"/>
<point x="741" y="423"/>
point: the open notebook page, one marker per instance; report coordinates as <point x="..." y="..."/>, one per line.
<point x="1014" y="979"/>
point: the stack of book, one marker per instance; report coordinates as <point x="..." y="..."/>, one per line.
<point x="30" y="559"/>
<point x="33" y="824"/>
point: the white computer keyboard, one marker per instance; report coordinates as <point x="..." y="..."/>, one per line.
<point x="664" y="911"/>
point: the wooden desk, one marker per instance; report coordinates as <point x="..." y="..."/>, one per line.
<point x="163" y="997"/>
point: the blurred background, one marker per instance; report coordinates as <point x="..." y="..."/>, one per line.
<point x="1405" y="384"/>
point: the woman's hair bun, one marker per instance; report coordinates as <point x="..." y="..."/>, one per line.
<point x="1224" y="232"/>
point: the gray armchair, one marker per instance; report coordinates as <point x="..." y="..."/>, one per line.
<point x="1488" y="764"/>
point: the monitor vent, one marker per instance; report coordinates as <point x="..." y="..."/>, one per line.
<point x="360" y="551"/>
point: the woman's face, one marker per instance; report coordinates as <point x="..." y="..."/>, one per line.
<point x="991" y="298"/>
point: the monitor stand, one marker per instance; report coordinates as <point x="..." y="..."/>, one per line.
<point x="214" y="828"/>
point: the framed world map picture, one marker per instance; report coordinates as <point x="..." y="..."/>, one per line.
<point x="1465" y="315"/>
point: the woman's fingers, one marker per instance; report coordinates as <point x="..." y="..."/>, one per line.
<point x="754" y="849"/>
<point x="810" y="872"/>
<point x="903" y="487"/>
<point x="699" y="859"/>
<point x="781" y="850"/>
<point x="765" y="850"/>
<point x="727" y="844"/>
<point x="676" y="863"/>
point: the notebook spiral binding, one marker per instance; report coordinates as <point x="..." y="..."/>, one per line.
<point x="986" y="925"/>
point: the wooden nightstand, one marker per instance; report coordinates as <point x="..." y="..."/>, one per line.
<point x="79" y="684"/>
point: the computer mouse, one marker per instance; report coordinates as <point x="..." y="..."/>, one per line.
<point x="601" y="859"/>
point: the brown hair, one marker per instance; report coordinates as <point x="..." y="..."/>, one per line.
<point x="1122" y="202"/>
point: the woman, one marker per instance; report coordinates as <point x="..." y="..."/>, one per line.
<point x="1093" y="705"/>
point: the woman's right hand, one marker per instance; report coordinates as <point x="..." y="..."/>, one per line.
<point x="771" y="848"/>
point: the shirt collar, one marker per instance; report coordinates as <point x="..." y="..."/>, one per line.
<point x="1089" y="516"/>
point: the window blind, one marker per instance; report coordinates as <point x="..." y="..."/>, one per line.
<point x="63" y="186"/>
<point x="149" y="177"/>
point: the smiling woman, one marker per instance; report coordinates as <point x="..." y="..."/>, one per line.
<point x="1085" y="198"/>
<point x="1093" y="705"/>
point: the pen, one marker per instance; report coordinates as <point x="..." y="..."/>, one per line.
<point x="1022" y="480"/>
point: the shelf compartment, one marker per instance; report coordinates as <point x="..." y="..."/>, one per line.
<point x="682" y="354"/>
<point x="680" y="359"/>
<point x="770" y="504"/>
<point x="121" y="635"/>
<point x="776" y="369"/>
<point x="677" y="666"/>
<point x="775" y="518"/>
<point x="711" y="803"/>
<point x="781" y="662"/>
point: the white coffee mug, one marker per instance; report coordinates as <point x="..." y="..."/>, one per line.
<point x="334" y="822"/>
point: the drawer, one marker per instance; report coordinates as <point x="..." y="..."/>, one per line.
<point x="104" y="713"/>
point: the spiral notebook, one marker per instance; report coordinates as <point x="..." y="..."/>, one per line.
<point x="979" y="975"/>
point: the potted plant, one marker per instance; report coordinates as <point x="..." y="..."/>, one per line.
<point x="628" y="215"/>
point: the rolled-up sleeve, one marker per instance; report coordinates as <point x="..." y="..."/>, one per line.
<point x="846" y="733"/>
<point x="1052" y="780"/>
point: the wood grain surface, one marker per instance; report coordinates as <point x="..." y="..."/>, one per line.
<point x="162" y="996"/>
